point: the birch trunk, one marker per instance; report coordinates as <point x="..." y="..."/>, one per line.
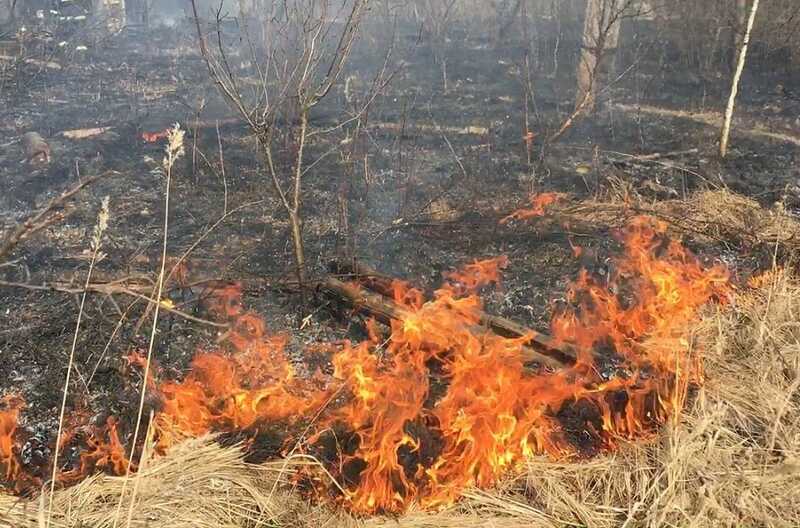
<point x="601" y="30"/>
<point x="726" y="126"/>
<point x="112" y="13"/>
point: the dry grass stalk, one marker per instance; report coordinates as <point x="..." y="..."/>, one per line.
<point x="97" y="238"/>
<point x="173" y="151"/>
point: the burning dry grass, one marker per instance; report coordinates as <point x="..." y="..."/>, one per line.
<point x="714" y="216"/>
<point x="732" y="459"/>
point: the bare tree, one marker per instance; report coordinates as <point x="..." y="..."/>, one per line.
<point x="302" y="56"/>
<point x="600" y="39"/>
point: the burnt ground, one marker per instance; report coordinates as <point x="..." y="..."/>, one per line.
<point x="418" y="210"/>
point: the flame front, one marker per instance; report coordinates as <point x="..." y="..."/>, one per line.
<point x="440" y="404"/>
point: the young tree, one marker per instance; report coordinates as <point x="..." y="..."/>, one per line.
<point x="303" y="56"/>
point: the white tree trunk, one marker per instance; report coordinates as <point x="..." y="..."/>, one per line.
<point x="112" y="13"/>
<point x="726" y="126"/>
<point x="738" y="31"/>
<point x="601" y="30"/>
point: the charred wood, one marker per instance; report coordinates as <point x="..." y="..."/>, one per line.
<point x="385" y="310"/>
<point x="374" y="280"/>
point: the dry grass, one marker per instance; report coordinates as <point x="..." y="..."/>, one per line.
<point x="709" y="217"/>
<point x="197" y="485"/>
<point x="732" y="458"/>
<point x="757" y="130"/>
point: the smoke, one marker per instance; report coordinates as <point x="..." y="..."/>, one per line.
<point x="170" y="12"/>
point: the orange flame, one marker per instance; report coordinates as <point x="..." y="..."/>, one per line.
<point x="440" y="404"/>
<point x="539" y="204"/>
<point x="152" y="137"/>
<point x="100" y="450"/>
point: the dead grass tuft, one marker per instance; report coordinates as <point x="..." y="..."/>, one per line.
<point x="197" y="485"/>
<point x="714" y="216"/>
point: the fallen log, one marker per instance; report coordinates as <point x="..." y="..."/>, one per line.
<point x="385" y="310"/>
<point x="374" y="280"/>
<point x="422" y="128"/>
<point x="83" y="133"/>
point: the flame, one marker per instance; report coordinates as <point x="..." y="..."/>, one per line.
<point x="98" y="448"/>
<point x="479" y="273"/>
<point x="539" y="204"/>
<point x="10" y="465"/>
<point x="231" y="392"/>
<point x="152" y="137"/>
<point x="439" y="404"/>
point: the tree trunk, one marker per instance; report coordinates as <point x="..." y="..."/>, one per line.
<point x="112" y="13"/>
<point x="295" y="218"/>
<point x="738" y="32"/>
<point x="5" y="11"/>
<point x="726" y="126"/>
<point x="299" y="252"/>
<point x="601" y="29"/>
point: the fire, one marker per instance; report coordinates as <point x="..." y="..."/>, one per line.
<point x="230" y="392"/>
<point x="10" y="466"/>
<point x="152" y="137"/>
<point x="539" y="204"/>
<point x="98" y="449"/>
<point x="438" y="404"/>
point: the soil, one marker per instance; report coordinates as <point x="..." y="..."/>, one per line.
<point x="430" y="200"/>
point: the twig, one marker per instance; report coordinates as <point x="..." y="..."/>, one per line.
<point x="107" y="289"/>
<point x="44" y="218"/>
<point x="222" y="169"/>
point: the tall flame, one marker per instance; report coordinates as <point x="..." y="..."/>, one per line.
<point x="440" y="404"/>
